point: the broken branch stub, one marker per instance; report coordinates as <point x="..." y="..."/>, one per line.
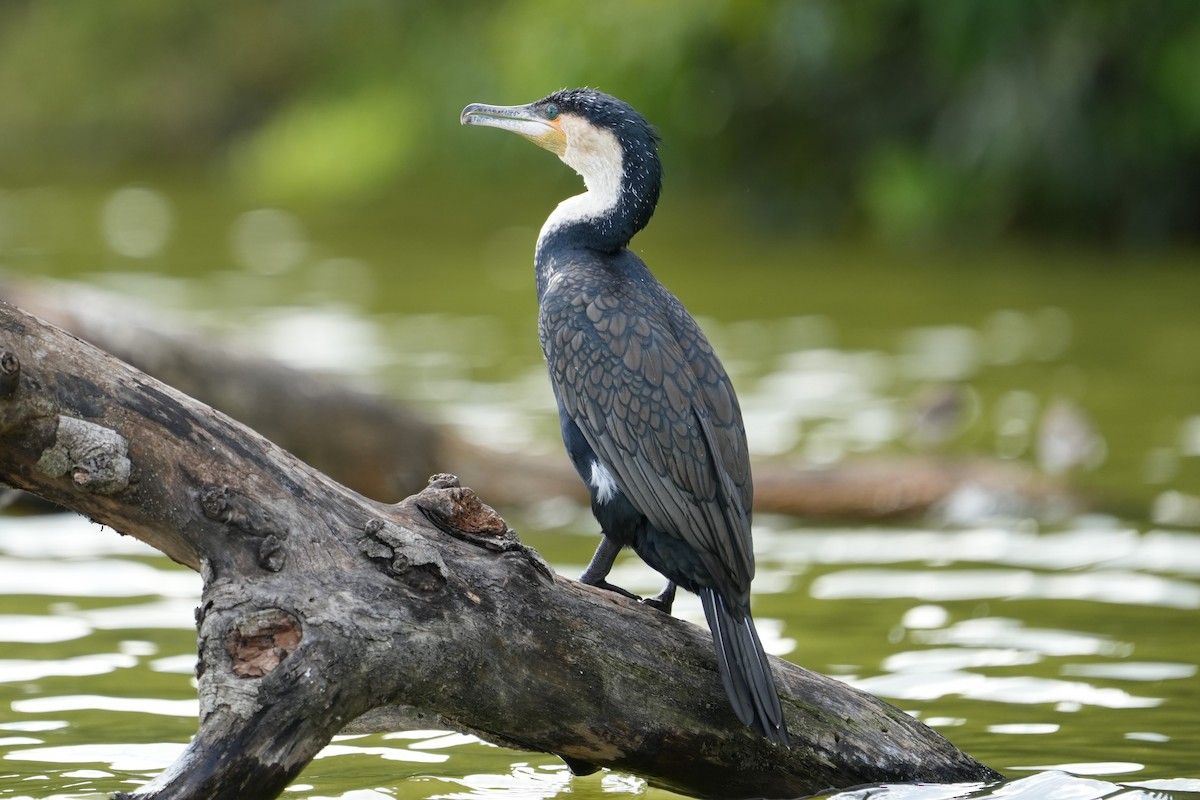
<point x="321" y="607"/>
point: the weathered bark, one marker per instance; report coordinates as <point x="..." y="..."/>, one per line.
<point x="320" y="606"/>
<point x="380" y="449"/>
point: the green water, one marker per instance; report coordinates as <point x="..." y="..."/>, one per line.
<point x="1045" y="647"/>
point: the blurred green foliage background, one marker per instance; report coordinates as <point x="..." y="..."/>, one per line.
<point x="898" y="119"/>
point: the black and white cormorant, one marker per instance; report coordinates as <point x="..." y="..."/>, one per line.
<point x="648" y="414"/>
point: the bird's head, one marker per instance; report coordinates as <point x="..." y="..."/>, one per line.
<point x="602" y="138"/>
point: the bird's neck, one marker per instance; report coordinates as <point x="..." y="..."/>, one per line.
<point x="617" y="204"/>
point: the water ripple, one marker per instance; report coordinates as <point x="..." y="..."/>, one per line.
<point x="122" y="757"/>
<point x="1018" y="690"/>
<point x="15" y="670"/>
<point x="94" y="578"/>
<point x="93" y="702"/>
<point x="1172" y="552"/>
<point x="1108" y="586"/>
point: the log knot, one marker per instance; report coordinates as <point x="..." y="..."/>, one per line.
<point x="10" y="373"/>
<point x="96" y="457"/>
<point x="261" y="641"/>
<point x="271" y="555"/>
<point x="458" y="511"/>
<point x="222" y="504"/>
<point x="404" y="555"/>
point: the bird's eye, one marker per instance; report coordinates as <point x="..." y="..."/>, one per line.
<point x="551" y="111"/>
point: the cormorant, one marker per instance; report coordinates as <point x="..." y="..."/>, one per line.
<point x="648" y="414"/>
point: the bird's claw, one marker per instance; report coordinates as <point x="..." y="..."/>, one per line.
<point x="665" y="599"/>
<point x="609" y="587"/>
<point x="658" y="603"/>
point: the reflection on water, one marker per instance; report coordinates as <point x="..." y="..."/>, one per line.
<point x="1060" y="654"/>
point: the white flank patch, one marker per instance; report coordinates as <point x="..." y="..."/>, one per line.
<point x="603" y="482"/>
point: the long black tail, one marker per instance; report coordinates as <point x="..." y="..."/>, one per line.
<point x="745" y="670"/>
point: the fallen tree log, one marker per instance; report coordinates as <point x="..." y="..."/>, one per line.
<point x="321" y="606"/>
<point x="377" y="447"/>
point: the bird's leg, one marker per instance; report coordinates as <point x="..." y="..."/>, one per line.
<point x="601" y="564"/>
<point x="664" y="600"/>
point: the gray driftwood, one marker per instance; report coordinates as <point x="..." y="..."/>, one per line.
<point x="321" y="606"/>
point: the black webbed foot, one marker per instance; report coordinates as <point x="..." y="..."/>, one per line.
<point x="601" y="565"/>
<point x="664" y="600"/>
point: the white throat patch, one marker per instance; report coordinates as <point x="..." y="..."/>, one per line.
<point x="595" y="154"/>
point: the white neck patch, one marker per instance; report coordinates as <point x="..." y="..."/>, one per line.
<point x="595" y="154"/>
